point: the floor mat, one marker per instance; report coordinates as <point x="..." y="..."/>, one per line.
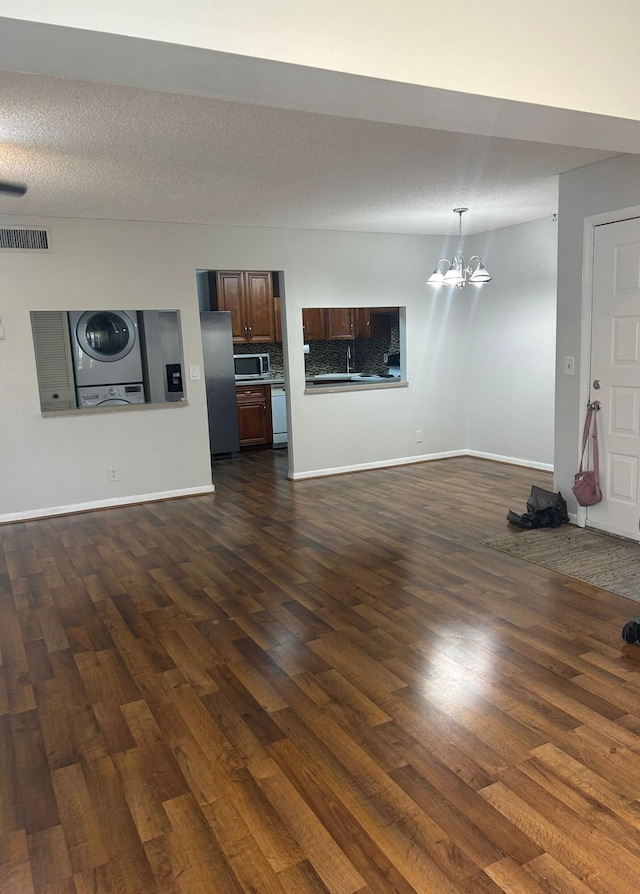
<point x="612" y="563"/>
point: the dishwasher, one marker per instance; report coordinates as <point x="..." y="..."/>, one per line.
<point x="279" y="416"/>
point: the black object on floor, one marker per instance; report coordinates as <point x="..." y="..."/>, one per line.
<point x="545" y="509"/>
<point x="631" y="631"/>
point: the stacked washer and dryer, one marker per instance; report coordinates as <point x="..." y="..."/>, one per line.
<point x="107" y="360"/>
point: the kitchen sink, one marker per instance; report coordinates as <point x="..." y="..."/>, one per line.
<point x="335" y="377"/>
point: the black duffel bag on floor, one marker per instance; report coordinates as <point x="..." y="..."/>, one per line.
<point x="545" y="509"/>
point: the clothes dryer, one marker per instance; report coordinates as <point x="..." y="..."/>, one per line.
<point x="105" y="346"/>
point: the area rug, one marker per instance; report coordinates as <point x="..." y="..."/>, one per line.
<point x="608" y="562"/>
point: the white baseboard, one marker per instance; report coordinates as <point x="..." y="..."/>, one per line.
<point x="427" y="457"/>
<point x="511" y="460"/>
<point x="382" y="464"/>
<point x="130" y="500"/>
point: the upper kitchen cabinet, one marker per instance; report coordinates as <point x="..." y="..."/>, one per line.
<point x="373" y="322"/>
<point x="248" y="295"/>
<point x="346" y="323"/>
<point x="339" y="323"/>
<point x="381" y="318"/>
<point x="362" y="321"/>
<point x="314" y="327"/>
<point x="278" y="317"/>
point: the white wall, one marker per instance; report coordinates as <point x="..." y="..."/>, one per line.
<point x="594" y="189"/>
<point x="337" y="431"/>
<point x="576" y="55"/>
<point x="511" y="351"/>
<point x="52" y="463"/>
<point x="49" y="463"/>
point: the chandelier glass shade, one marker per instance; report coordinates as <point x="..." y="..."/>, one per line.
<point x="457" y="272"/>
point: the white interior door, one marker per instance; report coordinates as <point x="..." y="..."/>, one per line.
<point x="615" y="365"/>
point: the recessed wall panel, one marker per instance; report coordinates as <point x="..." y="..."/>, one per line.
<point x="625" y="411"/>
<point x="623" y="478"/>
<point x="625" y="341"/>
<point x="627" y="266"/>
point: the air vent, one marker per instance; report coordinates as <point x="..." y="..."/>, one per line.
<point x="23" y="239"/>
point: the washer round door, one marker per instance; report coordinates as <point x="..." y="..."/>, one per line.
<point x="106" y="335"/>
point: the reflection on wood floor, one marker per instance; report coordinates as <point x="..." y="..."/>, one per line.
<point x="328" y="685"/>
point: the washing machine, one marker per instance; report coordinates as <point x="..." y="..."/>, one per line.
<point x="106" y="347"/>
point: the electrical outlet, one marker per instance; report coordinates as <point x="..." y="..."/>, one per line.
<point x="418" y="437"/>
<point x="112" y="474"/>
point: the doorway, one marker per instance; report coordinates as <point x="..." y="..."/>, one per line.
<point x="615" y="374"/>
<point x="256" y="347"/>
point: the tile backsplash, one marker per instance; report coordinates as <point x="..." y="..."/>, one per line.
<point x="273" y="349"/>
<point x="367" y="356"/>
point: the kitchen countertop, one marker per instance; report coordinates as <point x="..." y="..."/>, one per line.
<point x="270" y="380"/>
<point x="363" y="384"/>
<point x="332" y="382"/>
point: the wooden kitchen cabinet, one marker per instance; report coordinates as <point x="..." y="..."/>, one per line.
<point x="343" y="323"/>
<point x="340" y="323"/>
<point x="254" y="415"/>
<point x="248" y="295"/>
<point x="373" y="322"/>
<point x="380" y="319"/>
<point x="362" y="321"/>
<point x="277" y="317"/>
<point x="314" y="326"/>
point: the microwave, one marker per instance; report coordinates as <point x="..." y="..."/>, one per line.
<point x="251" y="366"/>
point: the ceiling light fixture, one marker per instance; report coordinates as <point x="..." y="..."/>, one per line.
<point x="456" y="272"/>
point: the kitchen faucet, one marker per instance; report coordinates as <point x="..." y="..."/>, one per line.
<point x="348" y="358"/>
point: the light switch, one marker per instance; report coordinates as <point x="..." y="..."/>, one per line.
<point x="194" y="373"/>
<point x="569" y="366"/>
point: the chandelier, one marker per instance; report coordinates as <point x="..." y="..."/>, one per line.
<point x="456" y="272"/>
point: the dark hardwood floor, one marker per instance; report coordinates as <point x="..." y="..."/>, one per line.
<point x="328" y="685"/>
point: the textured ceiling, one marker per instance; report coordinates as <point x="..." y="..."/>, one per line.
<point x="93" y="150"/>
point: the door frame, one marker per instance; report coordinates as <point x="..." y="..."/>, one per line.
<point x="588" y="238"/>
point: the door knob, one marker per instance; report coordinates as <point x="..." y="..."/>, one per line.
<point x="596" y="384"/>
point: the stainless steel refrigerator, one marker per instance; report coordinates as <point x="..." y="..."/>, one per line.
<point x="220" y="383"/>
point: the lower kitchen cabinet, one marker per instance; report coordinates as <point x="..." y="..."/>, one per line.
<point x="254" y="415"/>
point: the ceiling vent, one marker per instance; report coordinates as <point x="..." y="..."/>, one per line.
<point x="23" y="239"/>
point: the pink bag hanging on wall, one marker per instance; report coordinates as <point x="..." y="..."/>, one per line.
<point x="586" y="485"/>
